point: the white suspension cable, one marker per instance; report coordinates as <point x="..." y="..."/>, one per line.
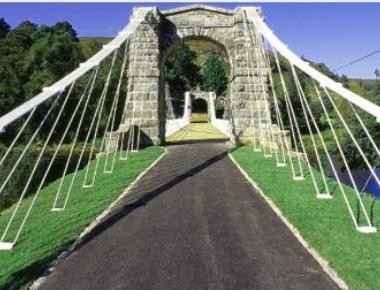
<point x="232" y="120"/>
<point x="267" y="108"/>
<point x="99" y="116"/>
<point x="108" y="139"/>
<point x="278" y="116"/>
<point x="123" y="66"/>
<point x="292" y="130"/>
<point x="277" y="111"/>
<point x="133" y="93"/>
<point x="367" y="182"/>
<point x="260" y="103"/>
<point x="91" y="63"/>
<point x="57" y="196"/>
<point x="325" y="82"/>
<point x="36" y="195"/>
<point x="17" y="136"/>
<point x="52" y="160"/>
<point x="373" y="143"/>
<point x="108" y="122"/>
<point x="365" y="129"/>
<point x="36" y="164"/>
<point x="327" y="193"/>
<point x="306" y="110"/>
<point x="371" y="108"/>
<point x="5" y="182"/>
<point x="356" y="143"/>
<point x="302" y="97"/>
<point x="124" y="118"/>
<point x="347" y="168"/>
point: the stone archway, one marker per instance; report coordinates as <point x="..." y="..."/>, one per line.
<point x="203" y="47"/>
<point x="153" y="39"/>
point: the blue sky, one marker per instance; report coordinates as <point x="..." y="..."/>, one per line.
<point x="334" y="33"/>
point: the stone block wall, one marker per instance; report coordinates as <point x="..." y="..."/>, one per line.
<point x="249" y="88"/>
<point x="143" y="106"/>
<point x="248" y="97"/>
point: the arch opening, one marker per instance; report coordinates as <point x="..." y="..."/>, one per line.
<point x="194" y="63"/>
<point x="199" y="110"/>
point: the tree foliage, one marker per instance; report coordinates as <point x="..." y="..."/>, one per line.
<point x="4" y="28"/>
<point x="214" y="77"/>
<point x="32" y="57"/>
<point x="182" y="73"/>
<point x="308" y="86"/>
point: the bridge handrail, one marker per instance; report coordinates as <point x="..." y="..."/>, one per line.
<point x="371" y="108"/>
<point x="84" y="67"/>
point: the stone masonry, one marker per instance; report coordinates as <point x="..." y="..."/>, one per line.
<point x="162" y="30"/>
<point x="143" y="91"/>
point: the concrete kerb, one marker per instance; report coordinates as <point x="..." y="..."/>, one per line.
<point x="38" y="282"/>
<point x="320" y="260"/>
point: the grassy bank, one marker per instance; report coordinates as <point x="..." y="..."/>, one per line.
<point x="48" y="233"/>
<point x="325" y="224"/>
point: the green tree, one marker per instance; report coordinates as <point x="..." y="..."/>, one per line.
<point x="344" y="80"/>
<point x="214" y="77"/>
<point x="32" y="57"/>
<point x="4" y="28"/>
<point x="377" y="73"/>
<point x="182" y="73"/>
<point x="66" y="27"/>
<point x="181" y="68"/>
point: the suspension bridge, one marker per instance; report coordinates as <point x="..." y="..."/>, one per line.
<point x="191" y="222"/>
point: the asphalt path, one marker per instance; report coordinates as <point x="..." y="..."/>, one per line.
<point x="193" y="222"/>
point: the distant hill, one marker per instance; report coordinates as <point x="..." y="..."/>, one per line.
<point x="90" y="45"/>
<point x="100" y="39"/>
<point x="366" y="83"/>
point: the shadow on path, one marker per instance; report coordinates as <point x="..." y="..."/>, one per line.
<point x="138" y="199"/>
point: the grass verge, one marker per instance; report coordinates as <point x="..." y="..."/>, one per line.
<point x="324" y="224"/>
<point x="48" y="233"/>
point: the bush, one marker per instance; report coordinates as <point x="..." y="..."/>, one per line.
<point x="19" y="179"/>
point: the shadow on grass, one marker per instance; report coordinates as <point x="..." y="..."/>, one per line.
<point x="24" y="277"/>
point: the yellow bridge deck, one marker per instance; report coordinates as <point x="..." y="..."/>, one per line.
<point x="197" y="132"/>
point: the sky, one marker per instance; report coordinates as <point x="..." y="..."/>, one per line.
<point x="333" y="33"/>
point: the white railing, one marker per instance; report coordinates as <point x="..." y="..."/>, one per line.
<point x="222" y="125"/>
<point x="174" y="125"/>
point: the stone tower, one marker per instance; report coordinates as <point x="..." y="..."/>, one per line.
<point x="150" y="45"/>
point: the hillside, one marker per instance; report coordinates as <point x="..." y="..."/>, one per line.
<point x="90" y="45"/>
<point x="368" y="84"/>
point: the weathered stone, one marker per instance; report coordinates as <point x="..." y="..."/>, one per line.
<point x="160" y="30"/>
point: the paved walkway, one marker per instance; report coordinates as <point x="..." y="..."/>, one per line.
<point x="193" y="222"/>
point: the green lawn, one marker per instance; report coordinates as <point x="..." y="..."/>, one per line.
<point x="325" y="224"/>
<point x="48" y="233"/>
